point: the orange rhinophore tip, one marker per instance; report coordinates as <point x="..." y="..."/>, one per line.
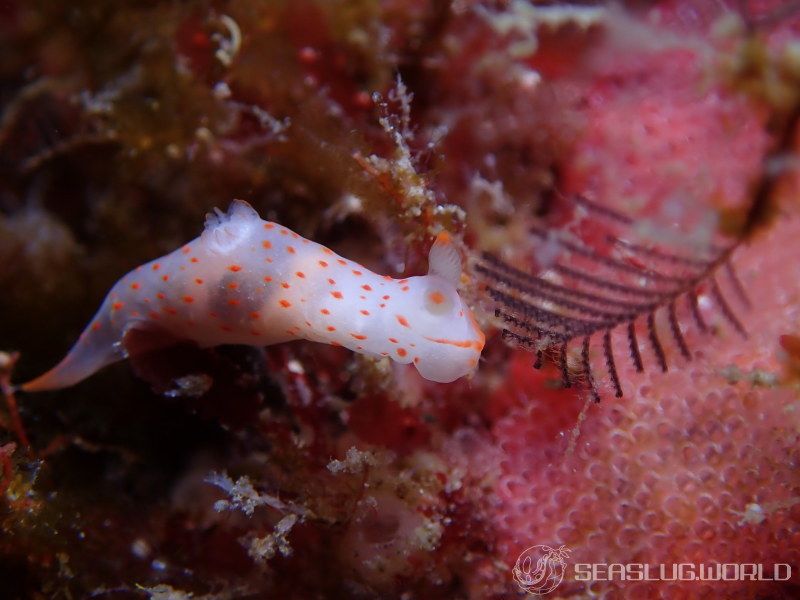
<point x="443" y="259"/>
<point x="443" y="238"/>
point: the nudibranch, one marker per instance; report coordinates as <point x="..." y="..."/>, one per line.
<point x="250" y="281"/>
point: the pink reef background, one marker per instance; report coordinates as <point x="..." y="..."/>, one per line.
<point x="304" y="471"/>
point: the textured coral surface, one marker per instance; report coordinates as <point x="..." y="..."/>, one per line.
<point x="666" y="474"/>
<point x="306" y="471"/>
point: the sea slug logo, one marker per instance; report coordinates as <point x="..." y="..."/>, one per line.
<point x="540" y="569"/>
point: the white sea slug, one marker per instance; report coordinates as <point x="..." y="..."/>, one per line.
<point x="249" y="281"/>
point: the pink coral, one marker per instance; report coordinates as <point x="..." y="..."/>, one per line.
<point x="656" y="131"/>
<point x="669" y="472"/>
<point x="697" y="465"/>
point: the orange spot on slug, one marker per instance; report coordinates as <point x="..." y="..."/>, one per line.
<point x="456" y="343"/>
<point x="436" y="297"/>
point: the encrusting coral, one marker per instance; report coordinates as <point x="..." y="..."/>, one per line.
<point x="303" y="470"/>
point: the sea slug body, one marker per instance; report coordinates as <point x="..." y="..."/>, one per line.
<point x="250" y="281"/>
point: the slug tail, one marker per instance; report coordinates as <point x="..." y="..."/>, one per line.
<point x="97" y="347"/>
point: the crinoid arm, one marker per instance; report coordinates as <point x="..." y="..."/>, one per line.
<point x="616" y="281"/>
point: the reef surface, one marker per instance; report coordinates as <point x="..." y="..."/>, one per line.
<point x="303" y="470"/>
